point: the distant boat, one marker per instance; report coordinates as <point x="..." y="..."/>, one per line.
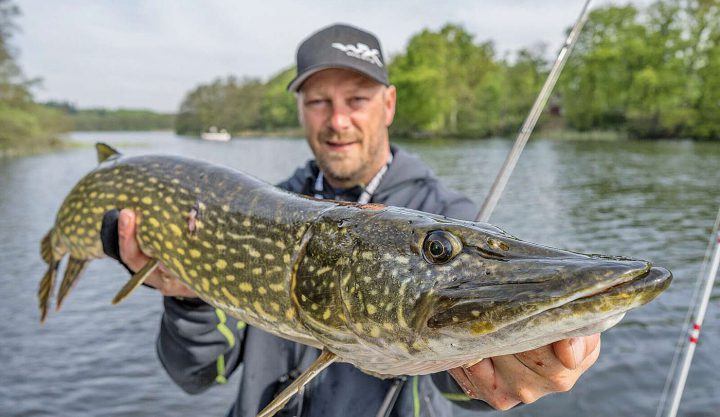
<point x="218" y="136"/>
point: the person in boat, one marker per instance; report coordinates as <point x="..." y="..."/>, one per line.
<point x="345" y="104"/>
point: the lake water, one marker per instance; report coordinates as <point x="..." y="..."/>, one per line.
<point x="649" y="200"/>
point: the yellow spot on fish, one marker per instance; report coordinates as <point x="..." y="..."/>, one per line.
<point x="276" y="287"/>
<point x="225" y="207"/>
<point x="175" y="229"/>
<point x="205" y="284"/>
<point x="122" y="197"/>
<point x="251" y="251"/>
<point x="388" y="326"/>
<point x="195" y="253"/>
<point x="481" y="327"/>
<point x="245" y="287"/>
<point x="286" y="258"/>
<point x="375" y="331"/>
<point x="221" y="264"/>
<point x="262" y="312"/>
<point x="239" y="265"/>
<point x="207" y="267"/>
<point x="290" y="314"/>
<point x="230" y="297"/>
<point x="257" y="271"/>
<point x="246" y="222"/>
<point x="326" y="314"/>
<point x="153" y="221"/>
<point x="215" y="281"/>
<point x="169" y="200"/>
<point x="275" y="306"/>
<point x="193" y="273"/>
<point x="269" y="257"/>
<point x="371" y="309"/>
<point x="169" y="244"/>
<point x="147" y="200"/>
<point x="262" y="290"/>
<point x="230" y="278"/>
<point x="323" y="270"/>
<point x="280" y="244"/>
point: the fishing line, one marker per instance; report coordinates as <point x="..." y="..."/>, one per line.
<point x="686" y="338"/>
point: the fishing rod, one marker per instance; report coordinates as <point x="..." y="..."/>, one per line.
<point x="694" y="331"/>
<point x="497" y="189"/>
<point x="532" y="118"/>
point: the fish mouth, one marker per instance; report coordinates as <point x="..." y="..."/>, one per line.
<point x="645" y="287"/>
<point x="626" y="285"/>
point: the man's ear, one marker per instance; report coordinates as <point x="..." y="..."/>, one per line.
<point x="390" y="100"/>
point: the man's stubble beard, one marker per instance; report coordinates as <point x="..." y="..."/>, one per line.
<point x="332" y="164"/>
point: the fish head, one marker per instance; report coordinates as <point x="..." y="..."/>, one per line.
<point x="453" y="288"/>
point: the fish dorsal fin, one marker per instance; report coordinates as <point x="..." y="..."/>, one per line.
<point x="105" y="152"/>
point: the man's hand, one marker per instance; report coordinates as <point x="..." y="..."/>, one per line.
<point x="161" y="279"/>
<point x="505" y="381"/>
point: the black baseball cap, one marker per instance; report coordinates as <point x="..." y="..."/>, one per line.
<point x="340" y="46"/>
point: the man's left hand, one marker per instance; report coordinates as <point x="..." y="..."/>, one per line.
<point x="506" y="381"/>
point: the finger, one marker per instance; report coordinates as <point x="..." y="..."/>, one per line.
<point x="573" y="351"/>
<point x="543" y="361"/>
<point x="461" y="377"/>
<point x="521" y="382"/>
<point x="129" y="250"/>
<point x="490" y="385"/>
<point x="594" y="355"/>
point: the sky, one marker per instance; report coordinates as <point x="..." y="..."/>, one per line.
<point x="149" y="53"/>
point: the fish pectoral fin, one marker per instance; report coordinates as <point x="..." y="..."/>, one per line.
<point x="73" y="270"/>
<point x="322" y="362"/>
<point x="136" y="280"/>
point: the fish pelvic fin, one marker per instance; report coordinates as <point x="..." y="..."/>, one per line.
<point x="105" y="152"/>
<point x="322" y="362"/>
<point x="74" y="268"/>
<point x="136" y="280"/>
<point x="52" y="254"/>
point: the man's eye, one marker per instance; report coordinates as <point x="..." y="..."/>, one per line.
<point x="316" y="103"/>
<point x="358" y="100"/>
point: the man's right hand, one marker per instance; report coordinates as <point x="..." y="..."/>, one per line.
<point x="162" y="279"/>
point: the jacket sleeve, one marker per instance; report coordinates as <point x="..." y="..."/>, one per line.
<point x="198" y="345"/>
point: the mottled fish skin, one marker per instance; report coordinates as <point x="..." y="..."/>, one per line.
<point x="369" y="283"/>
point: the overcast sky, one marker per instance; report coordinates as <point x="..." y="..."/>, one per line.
<point x="149" y="53"/>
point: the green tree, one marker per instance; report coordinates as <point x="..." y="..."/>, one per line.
<point x="23" y="123"/>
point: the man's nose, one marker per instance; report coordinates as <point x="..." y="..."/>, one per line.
<point x="340" y="119"/>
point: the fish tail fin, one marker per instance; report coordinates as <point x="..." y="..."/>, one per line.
<point x="105" y="152"/>
<point x="74" y="268"/>
<point x="52" y="254"/>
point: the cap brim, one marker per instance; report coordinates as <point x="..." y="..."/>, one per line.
<point x="297" y="82"/>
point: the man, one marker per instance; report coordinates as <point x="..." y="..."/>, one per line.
<point x="346" y="105"/>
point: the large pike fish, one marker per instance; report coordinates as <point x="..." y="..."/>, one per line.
<point x="392" y="291"/>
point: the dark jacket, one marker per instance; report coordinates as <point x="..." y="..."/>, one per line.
<point x="199" y="346"/>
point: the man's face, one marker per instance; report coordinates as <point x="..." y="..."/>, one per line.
<point x="346" y="116"/>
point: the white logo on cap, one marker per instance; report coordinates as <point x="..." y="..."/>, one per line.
<point x="361" y="51"/>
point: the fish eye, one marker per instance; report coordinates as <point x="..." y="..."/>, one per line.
<point x="440" y="247"/>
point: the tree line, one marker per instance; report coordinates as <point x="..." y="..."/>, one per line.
<point x="24" y="124"/>
<point x="645" y="73"/>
